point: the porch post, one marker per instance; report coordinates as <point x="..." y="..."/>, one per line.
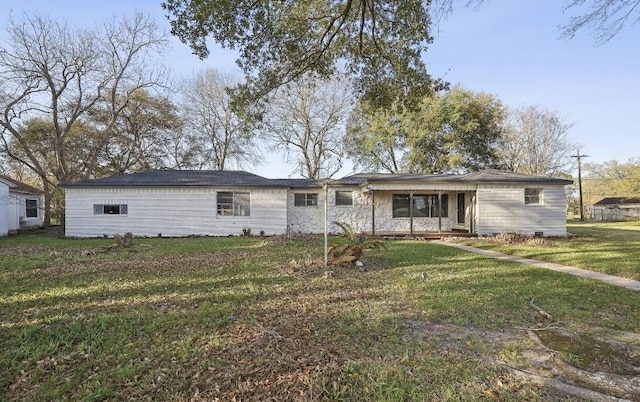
<point x="411" y="212"/>
<point x="373" y="212"/>
<point x="439" y="211"/>
<point x="472" y="218"/>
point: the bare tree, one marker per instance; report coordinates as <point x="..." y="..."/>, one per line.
<point x="220" y="137"/>
<point x="306" y="119"/>
<point x="536" y="141"/>
<point x="56" y="73"/>
<point x="605" y="18"/>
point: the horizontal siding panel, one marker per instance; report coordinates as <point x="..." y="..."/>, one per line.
<point x="501" y="209"/>
<point x="171" y="212"/>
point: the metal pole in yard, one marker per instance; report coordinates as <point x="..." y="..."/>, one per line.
<point x="578" y="157"/>
<point x="326" y="225"/>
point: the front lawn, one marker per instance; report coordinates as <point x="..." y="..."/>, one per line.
<point x="609" y="247"/>
<point x="260" y="318"/>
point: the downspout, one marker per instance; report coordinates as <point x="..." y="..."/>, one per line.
<point x="439" y="211"/>
<point x="411" y="212"/>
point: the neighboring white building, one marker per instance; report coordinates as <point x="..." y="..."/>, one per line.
<point x="220" y="203"/>
<point x="20" y="206"/>
<point x="616" y="209"/>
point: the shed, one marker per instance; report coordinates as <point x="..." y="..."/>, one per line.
<point x="21" y="206"/>
<point x="616" y="209"/>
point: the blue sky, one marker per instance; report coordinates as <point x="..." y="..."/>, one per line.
<point x="508" y="48"/>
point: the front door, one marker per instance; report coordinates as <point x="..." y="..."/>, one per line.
<point x="461" y="209"/>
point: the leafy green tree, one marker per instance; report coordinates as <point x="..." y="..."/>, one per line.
<point x="454" y="131"/>
<point x="37" y="146"/>
<point x="378" y="41"/>
<point x="375" y="139"/>
<point x="142" y="137"/>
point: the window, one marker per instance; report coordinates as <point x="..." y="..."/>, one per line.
<point x="533" y="196"/>
<point x="110" y="209"/>
<point x="32" y="208"/>
<point x="424" y="205"/>
<point x="231" y="203"/>
<point x="344" y="197"/>
<point x="305" y="200"/>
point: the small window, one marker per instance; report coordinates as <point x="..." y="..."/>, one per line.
<point x="344" y="198"/>
<point x="232" y="203"/>
<point x="110" y="209"/>
<point x="32" y="208"/>
<point x="305" y="200"/>
<point x="533" y="196"/>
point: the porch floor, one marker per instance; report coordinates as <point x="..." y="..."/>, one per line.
<point x="422" y="235"/>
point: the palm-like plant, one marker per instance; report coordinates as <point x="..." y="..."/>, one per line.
<point x="354" y="247"/>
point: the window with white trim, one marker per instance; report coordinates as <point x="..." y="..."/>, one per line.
<point x="31" y="208"/>
<point x="305" y="199"/>
<point x="533" y="196"/>
<point x="110" y="209"/>
<point x="233" y="203"/>
<point x="344" y="198"/>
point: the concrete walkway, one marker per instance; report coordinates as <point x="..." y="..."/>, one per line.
<point x="613" y="280"/>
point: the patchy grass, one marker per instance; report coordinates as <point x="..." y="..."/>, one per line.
<point x="253" y="319"/>
<point x="608" y="247"/>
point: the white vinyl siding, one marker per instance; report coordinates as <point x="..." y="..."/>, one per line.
<point x="501" y="209"/>
<point x="171" y="211"/>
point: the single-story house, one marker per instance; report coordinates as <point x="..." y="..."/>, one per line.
<point x="616" y="209"/>
<point x="220" y="203"/>
<point x="20" y="206"/>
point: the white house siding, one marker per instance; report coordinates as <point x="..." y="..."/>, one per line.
<point x="4" y="209"/>
<point x="501" y="209"/>
<point x="18" y="211"/>
<point x="172" y="211"/>
<point x="310" y="219"/>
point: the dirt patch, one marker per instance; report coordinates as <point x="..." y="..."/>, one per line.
<point x="591" y="365"/>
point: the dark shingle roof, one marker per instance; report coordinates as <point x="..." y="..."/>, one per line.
<point x="500" y="176"/>
<point x="618" y="200"/>
<point x="181" y="178"/>
<point x="485" y="176"/>
<point x="299" y="183"/>
<point x="20" y="187"/>
<point x="241" y="178"/>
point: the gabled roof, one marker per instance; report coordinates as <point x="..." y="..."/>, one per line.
<point x="618" y="200"/>
<point x="180" y="178"/>
<point x="19" y="187"/>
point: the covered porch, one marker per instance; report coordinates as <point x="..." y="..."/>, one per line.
<point x="425" y="210"/>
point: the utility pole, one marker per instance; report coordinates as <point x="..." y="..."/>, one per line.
<point x="579" y="157"/>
